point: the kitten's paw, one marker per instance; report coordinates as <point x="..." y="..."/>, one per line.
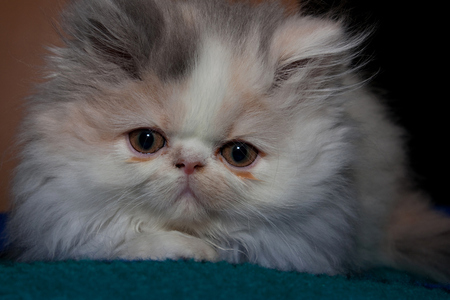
<point x="168" y="245"/>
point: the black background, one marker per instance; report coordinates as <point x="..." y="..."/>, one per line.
<point x="407" y="52"/>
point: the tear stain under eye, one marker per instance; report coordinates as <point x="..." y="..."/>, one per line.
<point x="138" y="159"/>
<point x="241" y="174"/>
<point x="245" y="175"/>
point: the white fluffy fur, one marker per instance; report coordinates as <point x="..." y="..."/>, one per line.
<point x="330" y="171"/>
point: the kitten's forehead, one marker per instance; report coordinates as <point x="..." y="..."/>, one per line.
<point x="220" y="92"/>
<point x="206" y="79"/>
<point x="207" y="87"/>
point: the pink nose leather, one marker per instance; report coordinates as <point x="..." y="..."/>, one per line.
<point x="189" y="167"/>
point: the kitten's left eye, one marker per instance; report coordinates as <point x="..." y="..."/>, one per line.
<point x="146" y="141"/>
<point x="239" y="154"/>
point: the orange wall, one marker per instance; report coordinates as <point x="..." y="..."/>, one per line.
<point x="25" y="27"/>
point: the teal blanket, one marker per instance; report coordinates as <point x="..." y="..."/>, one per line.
<point x="194" y="280"/>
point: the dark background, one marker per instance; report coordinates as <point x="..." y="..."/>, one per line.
<point x="406" y="51"/>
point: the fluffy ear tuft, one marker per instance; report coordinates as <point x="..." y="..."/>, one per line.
<point x="313" y="51"/>
<point x="116" y="35"/>
<point x="111" y="48"/>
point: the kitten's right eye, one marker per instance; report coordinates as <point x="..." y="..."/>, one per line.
<point x="146" y="141"/>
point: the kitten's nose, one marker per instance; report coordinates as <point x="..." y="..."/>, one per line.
<point x="189" y="167"/>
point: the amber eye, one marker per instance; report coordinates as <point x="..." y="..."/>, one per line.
<point x="239" y="154"/>
<point x="146" y="141"/>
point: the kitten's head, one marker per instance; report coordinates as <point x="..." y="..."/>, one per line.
<point x="191" y="111"/>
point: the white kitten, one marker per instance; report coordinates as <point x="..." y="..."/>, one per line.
<point x="200" y="129"/>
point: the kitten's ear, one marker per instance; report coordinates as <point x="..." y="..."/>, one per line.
<point x="310" y="54"/>
<point x="112" y="32"/>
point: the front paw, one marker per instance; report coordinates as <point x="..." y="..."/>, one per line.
<point x="167" y="245"/>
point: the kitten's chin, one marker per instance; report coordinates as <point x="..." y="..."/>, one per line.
<point x="188" y="208"/>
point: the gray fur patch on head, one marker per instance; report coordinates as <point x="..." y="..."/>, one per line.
<point x="129" y="36"/>
<point x="116" y="39"/>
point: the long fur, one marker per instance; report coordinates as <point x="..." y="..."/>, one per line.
<point x="328" y="192"/>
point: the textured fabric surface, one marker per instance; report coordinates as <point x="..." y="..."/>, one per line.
<point x="193" y="280"/>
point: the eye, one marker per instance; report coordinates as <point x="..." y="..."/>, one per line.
<point x="146" y="141"/>
<point x="239" y="154"/>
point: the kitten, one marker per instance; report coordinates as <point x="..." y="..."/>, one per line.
<point x="216" y="131"/>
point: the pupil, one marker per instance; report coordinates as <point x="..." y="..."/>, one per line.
<point x="239" y="153"/>
<point x="146" y="140"/>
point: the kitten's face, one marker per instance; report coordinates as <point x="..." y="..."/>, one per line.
<point x="189" y="149"/>
<point x="224" y="141"/>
